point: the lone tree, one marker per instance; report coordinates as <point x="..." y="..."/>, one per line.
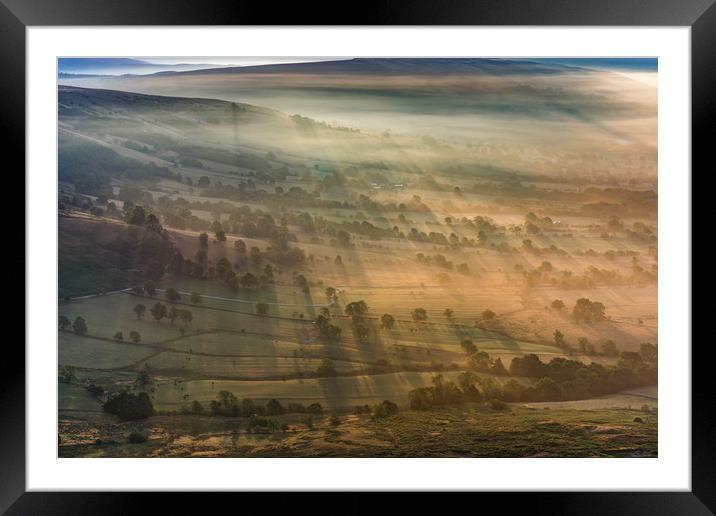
<point x="387" y="321"/>
<point x="173" y="314"/>
<point x="63" y="322"/>
<point x="150" y="289"/>
<point x="135" y="337"/>
<point x="186" y="316"/>
<point x="488" y="315"/>
<point x="159" y="311"/>
<point x="119" y="336"/>
<point x="144" y="378"/>
<point x="448" y="313"/>
<point x="559" y="339"/>
<point x="248" y="280"/>
<point x="140" y="310"/>
<point x="609" y="348"/>
<point x="79" y="326"/>
<point x="557" y="304"/>
<point x="195" y="298"/>
<point x="203" y="240"/>
<point x="326" y="368"/>
<point x="262" y="308"/>
<point x="173" y="295"/>
<point x="468" y="346"/>
<point x="419" y="314"/>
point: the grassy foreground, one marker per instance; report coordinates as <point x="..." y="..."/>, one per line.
<point x="471" y="431"/>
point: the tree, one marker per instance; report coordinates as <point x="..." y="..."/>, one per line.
<point x="387" y="321"/>
<point x="203" y="240"/>
<point x="488" y="315"/>
<point x="135" y="337"/>
<point x="588" y="311"/>
<point x="79" y="326"/>
<point x="248" y="407"/>
<point x="548" y="390"/>
<point x="315" y="408"/>
<point x="159" y="311"/>
<point x="144" y="378"/>
<point x="220" y="236"/>
<point x="649" y="352"/>
<point x="67" y="374"/>
<point x="119" y="336"/>
<point x="358" y="308"/>
<point x="203" y="182"/>
<point x="583" y="344"/>
<point x="274" y="408"/>
<point x="173" y="295"/>
<point x="137" y="216"/>
<point x="498" y="368"/>
<point x="195" y="298"/>
<point x="338" y="260"/>
<point x="248" y="280"/>
<point x="262" y="308"/>
<point x="150" y="289"/>
<point x="419" y="314"/>
<point x="448" y="313"/>
<point x="558" y="305"/>
<point x="385" y="409"/>
<point x="196" y="407"/>
<point x="326" y="368"/>
<point x="468" y="346"/>
<point x="609" y="348"/>
<point x="129" y="406"/>
<point x="140" y="309"/>
<point x="240" y="246"/>
<point x="173" y="314"/>
<point x="559" y="339"/>
<point x="63" y="322"/>
<point x="186" y="316"/>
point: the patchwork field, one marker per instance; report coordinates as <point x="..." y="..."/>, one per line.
<point x="435" y="258"/>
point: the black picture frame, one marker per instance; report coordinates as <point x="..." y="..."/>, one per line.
<point x="700" y="15"/>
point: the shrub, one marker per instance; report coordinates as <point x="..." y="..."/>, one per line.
<point x="496" y="404"/>
<point x="315" y="408"/>
<point x="95" y="390"/>
<point x="138" y="437"/>
<point x="385" y="409"/>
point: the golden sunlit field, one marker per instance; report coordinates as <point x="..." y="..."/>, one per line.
<point x="383" y="258"/>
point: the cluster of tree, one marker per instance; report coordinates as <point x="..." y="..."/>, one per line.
<point x="134" y="336"/>
<point x="588" y="311"/>
<point x="571" y="379"/>
<point x="79" y="326"/>
<point x="445" y="393"/>
<point x="357" y="310"/>
<point x="325" y="328"/>
<point x="228" y="405"/>
<point x="437" y="260"/>
<point x="159" y="311"/>
<point x="560" y="379"/>
<point x="129" y="406"/>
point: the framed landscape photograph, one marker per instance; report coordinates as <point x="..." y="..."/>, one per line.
<point x="413" y="251"/>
